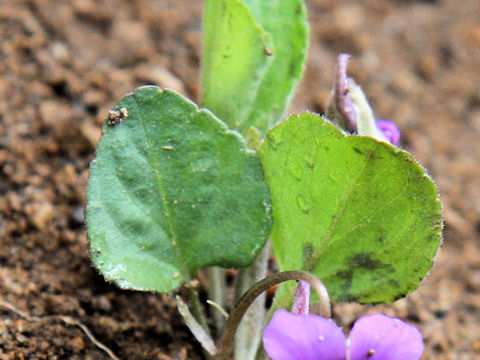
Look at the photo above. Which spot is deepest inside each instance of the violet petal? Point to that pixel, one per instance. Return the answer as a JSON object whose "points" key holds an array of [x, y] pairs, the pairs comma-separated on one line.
{"points": [[390, 130], [303, 337], [380, 337]]}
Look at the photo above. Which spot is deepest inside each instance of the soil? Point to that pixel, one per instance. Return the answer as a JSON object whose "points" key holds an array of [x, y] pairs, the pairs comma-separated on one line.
{"points": [[64, 64]]}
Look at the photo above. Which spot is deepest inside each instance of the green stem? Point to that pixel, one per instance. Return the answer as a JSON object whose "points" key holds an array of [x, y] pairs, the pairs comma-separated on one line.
{"points": [[216, 277], [197, 330], [226, 341], [197, 309], [262, 355], [249, 332], [199, 315]]}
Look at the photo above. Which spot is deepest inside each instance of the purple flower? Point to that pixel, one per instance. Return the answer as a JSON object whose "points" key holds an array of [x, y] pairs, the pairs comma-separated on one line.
{"points": [[291, 336], [390, 130]]}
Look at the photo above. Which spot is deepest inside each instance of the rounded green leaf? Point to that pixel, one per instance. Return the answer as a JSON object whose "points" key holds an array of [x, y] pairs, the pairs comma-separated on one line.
{"points": [[360, 214], [172, 190]]}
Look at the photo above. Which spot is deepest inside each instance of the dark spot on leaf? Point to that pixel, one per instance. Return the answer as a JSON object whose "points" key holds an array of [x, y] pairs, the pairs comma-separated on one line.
{"points": [[433, 238], [393, 283], [381, 240], [307, 253], [347, 277], [349, 298], [357, 150], [375, 156], [365, 261]]}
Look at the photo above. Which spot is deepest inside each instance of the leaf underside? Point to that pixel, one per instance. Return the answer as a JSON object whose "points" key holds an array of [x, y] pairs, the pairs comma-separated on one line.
{"points": [[360, 214], [172, 190]]}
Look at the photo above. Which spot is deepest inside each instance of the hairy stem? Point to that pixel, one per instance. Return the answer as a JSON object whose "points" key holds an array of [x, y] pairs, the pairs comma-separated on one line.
{"points": [[249, 331]]}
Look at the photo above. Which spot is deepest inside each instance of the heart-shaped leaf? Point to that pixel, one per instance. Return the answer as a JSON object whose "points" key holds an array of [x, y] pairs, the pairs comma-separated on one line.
{"points": [[172, 190], [360, 214]]}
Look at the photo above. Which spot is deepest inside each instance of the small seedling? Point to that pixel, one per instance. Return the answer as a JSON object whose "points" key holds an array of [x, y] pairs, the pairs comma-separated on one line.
{"points": [[176, 188]]}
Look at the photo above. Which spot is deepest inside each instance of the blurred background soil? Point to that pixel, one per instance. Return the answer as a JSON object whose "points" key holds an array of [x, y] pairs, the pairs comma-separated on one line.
{"points": [[64, 64]]}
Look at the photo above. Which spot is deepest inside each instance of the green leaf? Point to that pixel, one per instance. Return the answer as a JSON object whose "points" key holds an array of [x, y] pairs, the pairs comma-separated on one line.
{"points": [[234, 60], [286, 22], [172, 190], [360, 214], [253, 55]]}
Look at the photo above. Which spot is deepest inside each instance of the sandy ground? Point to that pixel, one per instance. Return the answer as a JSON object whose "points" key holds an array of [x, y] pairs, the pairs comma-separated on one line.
{"points": [[64, 64]]}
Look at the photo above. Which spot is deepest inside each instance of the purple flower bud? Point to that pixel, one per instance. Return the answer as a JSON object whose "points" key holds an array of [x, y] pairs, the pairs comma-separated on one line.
{"points": [[390, 130], [291, 336], [342, 105], [342, 101]]}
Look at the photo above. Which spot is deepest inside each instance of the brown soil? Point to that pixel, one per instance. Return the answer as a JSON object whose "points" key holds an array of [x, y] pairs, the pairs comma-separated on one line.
{"points": [[64, 64]]}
